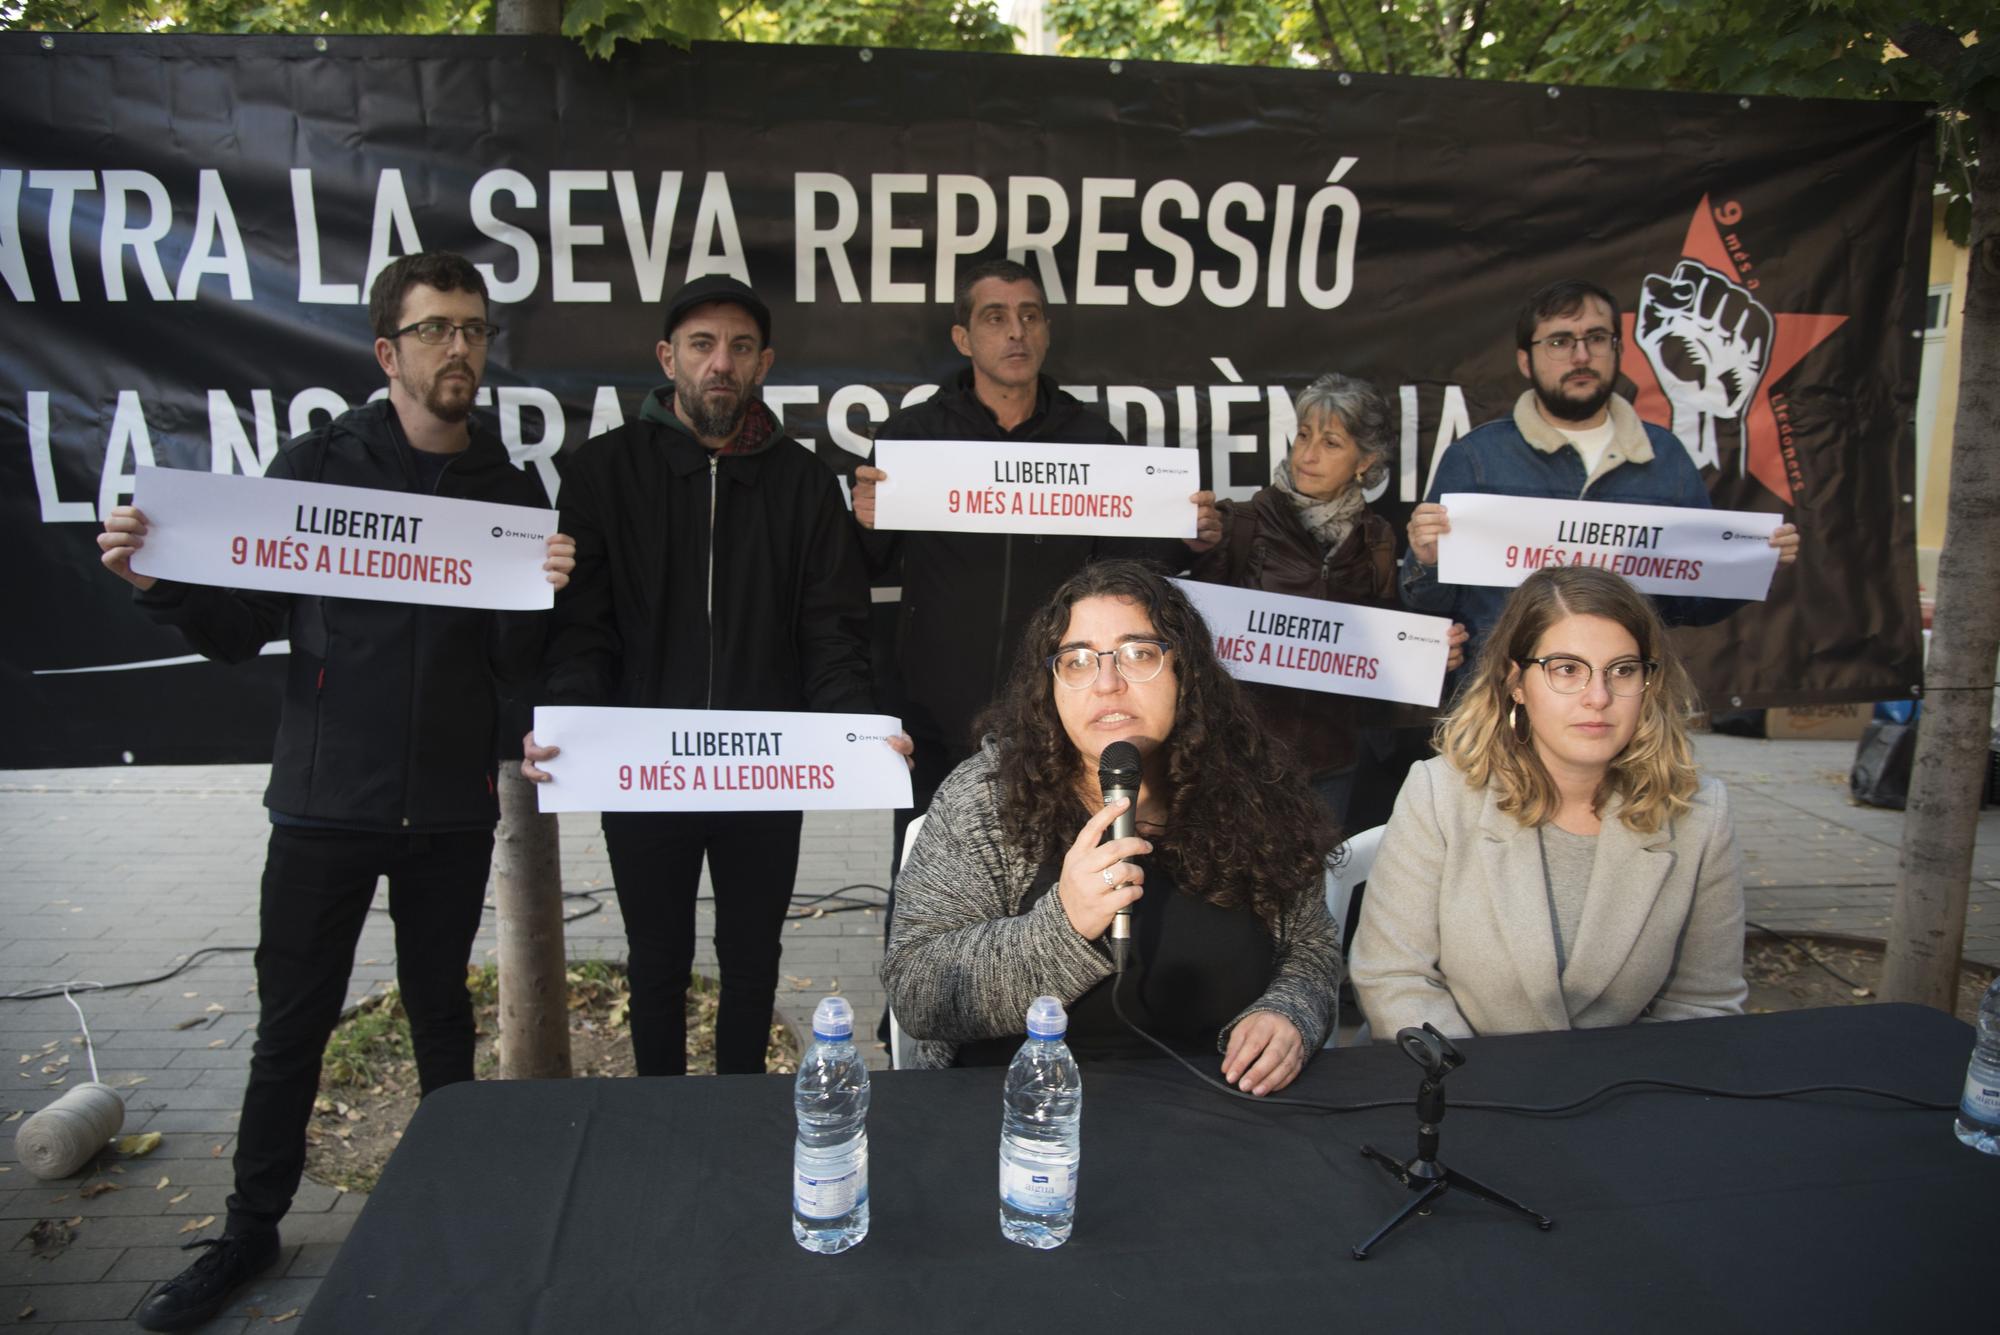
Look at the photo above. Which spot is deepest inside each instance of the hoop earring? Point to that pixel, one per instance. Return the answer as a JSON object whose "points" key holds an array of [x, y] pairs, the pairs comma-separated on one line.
{"points": [[1517, 723]]}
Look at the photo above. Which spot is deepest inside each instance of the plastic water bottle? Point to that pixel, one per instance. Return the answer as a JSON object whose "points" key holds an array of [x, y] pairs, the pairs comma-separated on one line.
{"points": [[1979, 1107], [830, 1160], [1039, 1140]]}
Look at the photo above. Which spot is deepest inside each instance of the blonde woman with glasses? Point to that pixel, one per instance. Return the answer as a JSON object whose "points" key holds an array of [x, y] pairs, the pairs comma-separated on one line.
{"points": [[1560, 864]]}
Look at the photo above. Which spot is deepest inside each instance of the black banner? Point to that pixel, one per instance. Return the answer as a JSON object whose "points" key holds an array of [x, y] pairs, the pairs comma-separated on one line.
{"points": [[188, 227]]}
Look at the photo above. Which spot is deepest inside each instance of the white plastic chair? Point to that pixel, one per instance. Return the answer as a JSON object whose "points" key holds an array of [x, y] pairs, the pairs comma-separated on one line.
{"points": [[903, 1048], [1352, 864], [1353, 861]]}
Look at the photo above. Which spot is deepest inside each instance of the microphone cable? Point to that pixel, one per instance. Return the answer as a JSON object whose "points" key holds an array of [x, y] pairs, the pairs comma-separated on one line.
{"points": [[1522, 1109]]}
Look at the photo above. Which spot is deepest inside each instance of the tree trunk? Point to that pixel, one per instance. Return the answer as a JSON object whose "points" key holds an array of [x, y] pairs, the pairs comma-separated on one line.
{"points": [[527, 849], [528, 17], [1927, 929], [534, 986]]}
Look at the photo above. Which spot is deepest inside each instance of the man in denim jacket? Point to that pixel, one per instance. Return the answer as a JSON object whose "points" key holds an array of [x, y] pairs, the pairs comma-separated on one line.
{"points": [[1570, 437]]}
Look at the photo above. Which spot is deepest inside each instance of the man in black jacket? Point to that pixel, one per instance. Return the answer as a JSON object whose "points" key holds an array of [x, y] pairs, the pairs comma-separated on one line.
{"points": [[966, 596], [716, 569], [391, 728]]}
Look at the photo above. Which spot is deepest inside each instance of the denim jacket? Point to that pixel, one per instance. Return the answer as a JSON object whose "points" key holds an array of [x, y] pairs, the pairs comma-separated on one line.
{"points": [[1524, 456]]}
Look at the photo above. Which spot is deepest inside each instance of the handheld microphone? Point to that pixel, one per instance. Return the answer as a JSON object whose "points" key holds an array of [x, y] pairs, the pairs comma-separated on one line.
{"points": [[1118, 776]]}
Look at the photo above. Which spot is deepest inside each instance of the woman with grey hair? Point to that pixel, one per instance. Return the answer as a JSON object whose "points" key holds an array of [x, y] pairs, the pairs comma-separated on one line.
{"points": [[1311, 534]]}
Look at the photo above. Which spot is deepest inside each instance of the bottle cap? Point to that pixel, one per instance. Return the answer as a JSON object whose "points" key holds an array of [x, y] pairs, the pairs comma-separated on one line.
{"points": [[1047, 1018], [833, 1019]]}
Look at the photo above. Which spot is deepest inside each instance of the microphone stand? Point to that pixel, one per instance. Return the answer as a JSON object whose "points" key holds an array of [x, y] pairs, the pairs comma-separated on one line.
{"points": [[1424, 1174]]}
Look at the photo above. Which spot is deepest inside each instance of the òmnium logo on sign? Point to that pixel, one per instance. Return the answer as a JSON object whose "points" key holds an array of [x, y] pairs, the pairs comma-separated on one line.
{"points": [[500, 532]]}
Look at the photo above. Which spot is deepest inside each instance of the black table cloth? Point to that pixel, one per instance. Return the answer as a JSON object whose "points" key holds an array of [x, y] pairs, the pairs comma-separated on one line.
{"points": [[663, 1205]]}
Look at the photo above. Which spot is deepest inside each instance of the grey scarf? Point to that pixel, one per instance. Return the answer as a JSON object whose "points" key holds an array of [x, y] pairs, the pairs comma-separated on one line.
{"points": [[1328, 521]]}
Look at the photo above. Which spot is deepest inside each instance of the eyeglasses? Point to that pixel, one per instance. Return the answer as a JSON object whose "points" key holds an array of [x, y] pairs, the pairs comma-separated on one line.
{"points": [[1557, 347], [1136, 660], [477, 333], [1572, 676]]}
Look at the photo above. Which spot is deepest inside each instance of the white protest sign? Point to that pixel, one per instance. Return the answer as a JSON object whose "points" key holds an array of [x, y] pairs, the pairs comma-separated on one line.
{"points": [[718, 760], [341, 542], [1670, 549], [1339, 648], [958, 486]]}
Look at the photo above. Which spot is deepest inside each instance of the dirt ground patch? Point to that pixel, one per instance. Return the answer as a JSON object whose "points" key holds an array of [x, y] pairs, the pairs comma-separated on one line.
{"points": [[368, 1082], [1800, 972]]}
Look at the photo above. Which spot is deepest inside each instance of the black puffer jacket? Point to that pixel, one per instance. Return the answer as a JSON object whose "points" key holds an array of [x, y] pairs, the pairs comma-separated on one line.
{"points": [[765, 607], [395, 714], [967, 596]]}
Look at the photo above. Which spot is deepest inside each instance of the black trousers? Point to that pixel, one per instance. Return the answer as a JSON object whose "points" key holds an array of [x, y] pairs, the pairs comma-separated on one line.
{"points": [[753, 859], [317, 888]]}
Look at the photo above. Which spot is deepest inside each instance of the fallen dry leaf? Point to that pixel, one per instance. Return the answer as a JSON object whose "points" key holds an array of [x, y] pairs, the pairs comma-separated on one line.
{"points": [[97, 1189], [163, 1184], [139, 1146], [15, 1116], [213, 1006], [220, 1043], [190, 1022], [25, 1313], [136, 1080], [73, 1221], [176, 1200], [190, 996], [215, 1152], [197, 1225], [284, 1316]]}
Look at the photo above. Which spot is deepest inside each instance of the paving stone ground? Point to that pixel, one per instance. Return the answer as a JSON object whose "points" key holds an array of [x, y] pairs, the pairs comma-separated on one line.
{"points": [[120, 874]]}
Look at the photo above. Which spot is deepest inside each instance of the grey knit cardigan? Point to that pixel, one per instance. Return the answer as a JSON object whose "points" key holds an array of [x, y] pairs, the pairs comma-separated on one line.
{"points": [[964, 965]]}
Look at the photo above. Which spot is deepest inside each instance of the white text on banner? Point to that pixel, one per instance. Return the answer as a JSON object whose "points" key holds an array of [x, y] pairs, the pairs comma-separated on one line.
{"points": [[341, 542], [959, 486], [719, 760], [1670, 549], [1340, 648]]}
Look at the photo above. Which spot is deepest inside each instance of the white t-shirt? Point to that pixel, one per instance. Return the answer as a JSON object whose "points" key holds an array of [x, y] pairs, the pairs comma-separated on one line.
{"points": [[1590, 444]]}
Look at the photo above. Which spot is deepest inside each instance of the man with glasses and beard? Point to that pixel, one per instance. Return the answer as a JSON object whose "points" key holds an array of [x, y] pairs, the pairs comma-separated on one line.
{"points": [[393, 721], [1570, 437], [716, 569]]}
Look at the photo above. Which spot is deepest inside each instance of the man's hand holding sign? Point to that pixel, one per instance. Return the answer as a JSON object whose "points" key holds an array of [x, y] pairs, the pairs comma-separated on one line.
{"points": [[976, 487], [1501, 540], [603, 759], [351, 542]]}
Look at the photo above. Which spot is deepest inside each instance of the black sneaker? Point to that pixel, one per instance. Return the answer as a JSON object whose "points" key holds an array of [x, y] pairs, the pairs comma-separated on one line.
{"points": [[204, 1288]]}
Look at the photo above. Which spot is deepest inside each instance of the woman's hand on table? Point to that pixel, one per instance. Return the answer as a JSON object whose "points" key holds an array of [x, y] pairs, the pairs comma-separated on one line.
{"points": [[1266, 1053], [1097, 880]]}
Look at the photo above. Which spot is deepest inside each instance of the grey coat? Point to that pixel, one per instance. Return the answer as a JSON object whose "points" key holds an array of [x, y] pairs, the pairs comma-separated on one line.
{"points": [[1455, 928], [963, 965]]}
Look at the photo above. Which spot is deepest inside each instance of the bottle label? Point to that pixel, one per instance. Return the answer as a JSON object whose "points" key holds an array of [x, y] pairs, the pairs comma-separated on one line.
{"points": [[832, 1189], [1045, 1189], [1981, 1100]]}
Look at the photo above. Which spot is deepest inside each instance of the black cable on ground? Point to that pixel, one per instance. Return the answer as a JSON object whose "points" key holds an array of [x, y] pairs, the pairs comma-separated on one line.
{"points": [[57, 989], [810, 905]]}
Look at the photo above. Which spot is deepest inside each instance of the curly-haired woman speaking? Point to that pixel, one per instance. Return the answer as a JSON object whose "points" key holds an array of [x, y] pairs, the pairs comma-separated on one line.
{"points": [[1009, 892], [1561, 864]]}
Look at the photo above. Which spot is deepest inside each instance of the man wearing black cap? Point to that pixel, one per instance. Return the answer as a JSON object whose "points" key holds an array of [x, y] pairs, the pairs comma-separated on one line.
{"points": [[716, 568]]}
